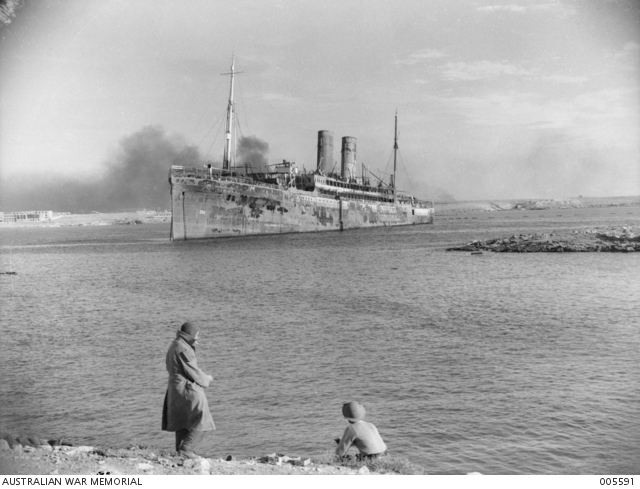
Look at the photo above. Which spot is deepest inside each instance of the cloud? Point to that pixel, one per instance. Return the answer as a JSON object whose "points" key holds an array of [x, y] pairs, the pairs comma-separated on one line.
{"points": [[421, 56], [525, 144], [562, 163], [555, 8], [603, 115], [565, 79], [480, 70], [279, 97], [629, 51], [504, 8], [497, 109]]}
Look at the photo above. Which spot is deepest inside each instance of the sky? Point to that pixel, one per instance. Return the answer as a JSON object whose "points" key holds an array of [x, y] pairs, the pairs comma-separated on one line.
{"points": [[512, 99]]}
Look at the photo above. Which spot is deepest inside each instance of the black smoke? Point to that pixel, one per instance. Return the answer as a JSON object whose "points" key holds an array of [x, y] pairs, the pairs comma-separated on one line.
{"points": [[8, 10], [439, 195], [252, 154], [135, 178]]}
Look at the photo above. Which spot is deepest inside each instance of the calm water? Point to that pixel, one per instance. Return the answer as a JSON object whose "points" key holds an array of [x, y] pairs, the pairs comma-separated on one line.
{"points": [[496, 363]]}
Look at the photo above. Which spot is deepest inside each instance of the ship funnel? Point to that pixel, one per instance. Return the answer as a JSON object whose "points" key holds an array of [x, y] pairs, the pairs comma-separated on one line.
{"points": [[348, 157], [325, 151]]}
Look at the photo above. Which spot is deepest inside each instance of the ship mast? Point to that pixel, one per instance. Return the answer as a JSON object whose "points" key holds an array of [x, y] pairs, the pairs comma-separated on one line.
{"points": [[395, 150], [230, 109]]}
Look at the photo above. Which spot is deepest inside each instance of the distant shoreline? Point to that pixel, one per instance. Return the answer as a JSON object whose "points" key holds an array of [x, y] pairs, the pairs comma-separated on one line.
{"points": [[95, 219], [441, 208], [535, 204]]}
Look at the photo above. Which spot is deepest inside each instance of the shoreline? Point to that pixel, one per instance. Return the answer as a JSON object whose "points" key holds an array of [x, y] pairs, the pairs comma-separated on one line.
{"points": [[441, 208], [33, 456], [447, 208]]}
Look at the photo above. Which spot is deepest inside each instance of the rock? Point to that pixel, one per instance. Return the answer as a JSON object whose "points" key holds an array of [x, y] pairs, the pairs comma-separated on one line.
{"points": [[77, 450], [273, 458], [363, 470], [189, 463], [301, 463], [145, 466], [24, 441], [11, 441], [230, 458], [201, 465], [4, 445], [205, 466], [35, 441], [17, 446]]}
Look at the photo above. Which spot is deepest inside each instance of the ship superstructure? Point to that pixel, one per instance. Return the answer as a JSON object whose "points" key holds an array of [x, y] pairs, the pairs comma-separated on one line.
{"points": [[211, 202]]}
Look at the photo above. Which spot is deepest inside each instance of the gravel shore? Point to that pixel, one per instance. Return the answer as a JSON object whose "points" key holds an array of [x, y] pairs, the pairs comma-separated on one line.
{"points": [[22, 456]]}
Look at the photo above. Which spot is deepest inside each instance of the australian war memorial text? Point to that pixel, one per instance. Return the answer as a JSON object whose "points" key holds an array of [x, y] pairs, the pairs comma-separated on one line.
{"points": [[71, 481]]}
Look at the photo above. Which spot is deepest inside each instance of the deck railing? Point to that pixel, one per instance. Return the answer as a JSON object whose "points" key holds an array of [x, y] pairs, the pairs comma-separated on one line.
{"points": [[218, 174]]}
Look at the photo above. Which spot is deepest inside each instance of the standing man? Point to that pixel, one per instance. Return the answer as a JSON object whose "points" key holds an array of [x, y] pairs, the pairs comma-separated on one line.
{"points": [[186, 410]]}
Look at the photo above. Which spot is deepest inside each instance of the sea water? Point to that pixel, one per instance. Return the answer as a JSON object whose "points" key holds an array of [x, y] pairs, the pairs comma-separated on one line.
{"points": [[493, 363]]}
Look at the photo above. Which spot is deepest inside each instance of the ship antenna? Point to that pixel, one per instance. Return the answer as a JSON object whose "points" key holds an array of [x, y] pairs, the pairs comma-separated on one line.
{"points": [[395, 150], [230, 110]]}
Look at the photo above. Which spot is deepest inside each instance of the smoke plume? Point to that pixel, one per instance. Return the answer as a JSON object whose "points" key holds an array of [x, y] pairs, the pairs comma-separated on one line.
{"points": [[252, 153], [8, 10], [135, 178]]}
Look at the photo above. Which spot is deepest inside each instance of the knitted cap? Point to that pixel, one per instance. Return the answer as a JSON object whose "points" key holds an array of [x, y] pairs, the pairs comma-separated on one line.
{"points": [[353, 411], [190, 329]]}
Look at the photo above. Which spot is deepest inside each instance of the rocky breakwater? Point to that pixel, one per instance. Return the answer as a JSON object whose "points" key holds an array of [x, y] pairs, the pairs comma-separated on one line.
{"points": [[622, 240]]}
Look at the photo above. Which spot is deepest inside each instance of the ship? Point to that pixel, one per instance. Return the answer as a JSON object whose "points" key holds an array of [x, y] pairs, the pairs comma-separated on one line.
{"points": [[208, 202]]}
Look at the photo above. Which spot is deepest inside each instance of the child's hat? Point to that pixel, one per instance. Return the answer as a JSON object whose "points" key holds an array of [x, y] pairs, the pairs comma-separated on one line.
{"points": [[353, 411]]}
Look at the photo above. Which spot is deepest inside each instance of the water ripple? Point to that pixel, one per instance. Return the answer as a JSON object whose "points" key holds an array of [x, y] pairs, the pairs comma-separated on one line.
{"points": [[498, 364]]}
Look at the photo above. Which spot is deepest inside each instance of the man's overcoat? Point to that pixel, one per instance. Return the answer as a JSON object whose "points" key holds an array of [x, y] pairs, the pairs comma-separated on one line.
{"points": [[185, 404]]}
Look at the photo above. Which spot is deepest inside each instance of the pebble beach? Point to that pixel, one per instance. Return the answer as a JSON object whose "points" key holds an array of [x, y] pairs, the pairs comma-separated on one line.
{"points": [[33, 456]]}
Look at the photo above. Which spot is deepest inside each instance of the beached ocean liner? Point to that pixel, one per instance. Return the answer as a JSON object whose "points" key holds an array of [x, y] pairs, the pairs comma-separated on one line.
{"points": [[234, 201]]}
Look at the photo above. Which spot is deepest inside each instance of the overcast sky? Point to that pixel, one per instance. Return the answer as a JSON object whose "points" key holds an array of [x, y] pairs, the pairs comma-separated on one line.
{"points": [[495, 100]]}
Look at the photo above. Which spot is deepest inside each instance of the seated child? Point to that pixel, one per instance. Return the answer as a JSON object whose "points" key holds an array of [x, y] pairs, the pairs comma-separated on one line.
{"points": [[362, 434]]}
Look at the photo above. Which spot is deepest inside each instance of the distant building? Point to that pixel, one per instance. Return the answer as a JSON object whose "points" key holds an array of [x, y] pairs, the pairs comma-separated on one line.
{"points": [[25, 216]]}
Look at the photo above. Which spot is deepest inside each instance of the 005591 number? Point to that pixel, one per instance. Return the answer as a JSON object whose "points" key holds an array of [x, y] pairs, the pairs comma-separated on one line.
{"points": [[616, 481]]}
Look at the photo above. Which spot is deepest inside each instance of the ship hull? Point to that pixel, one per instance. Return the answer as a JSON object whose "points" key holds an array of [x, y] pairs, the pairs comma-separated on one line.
{"points": [[215, 208]]}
